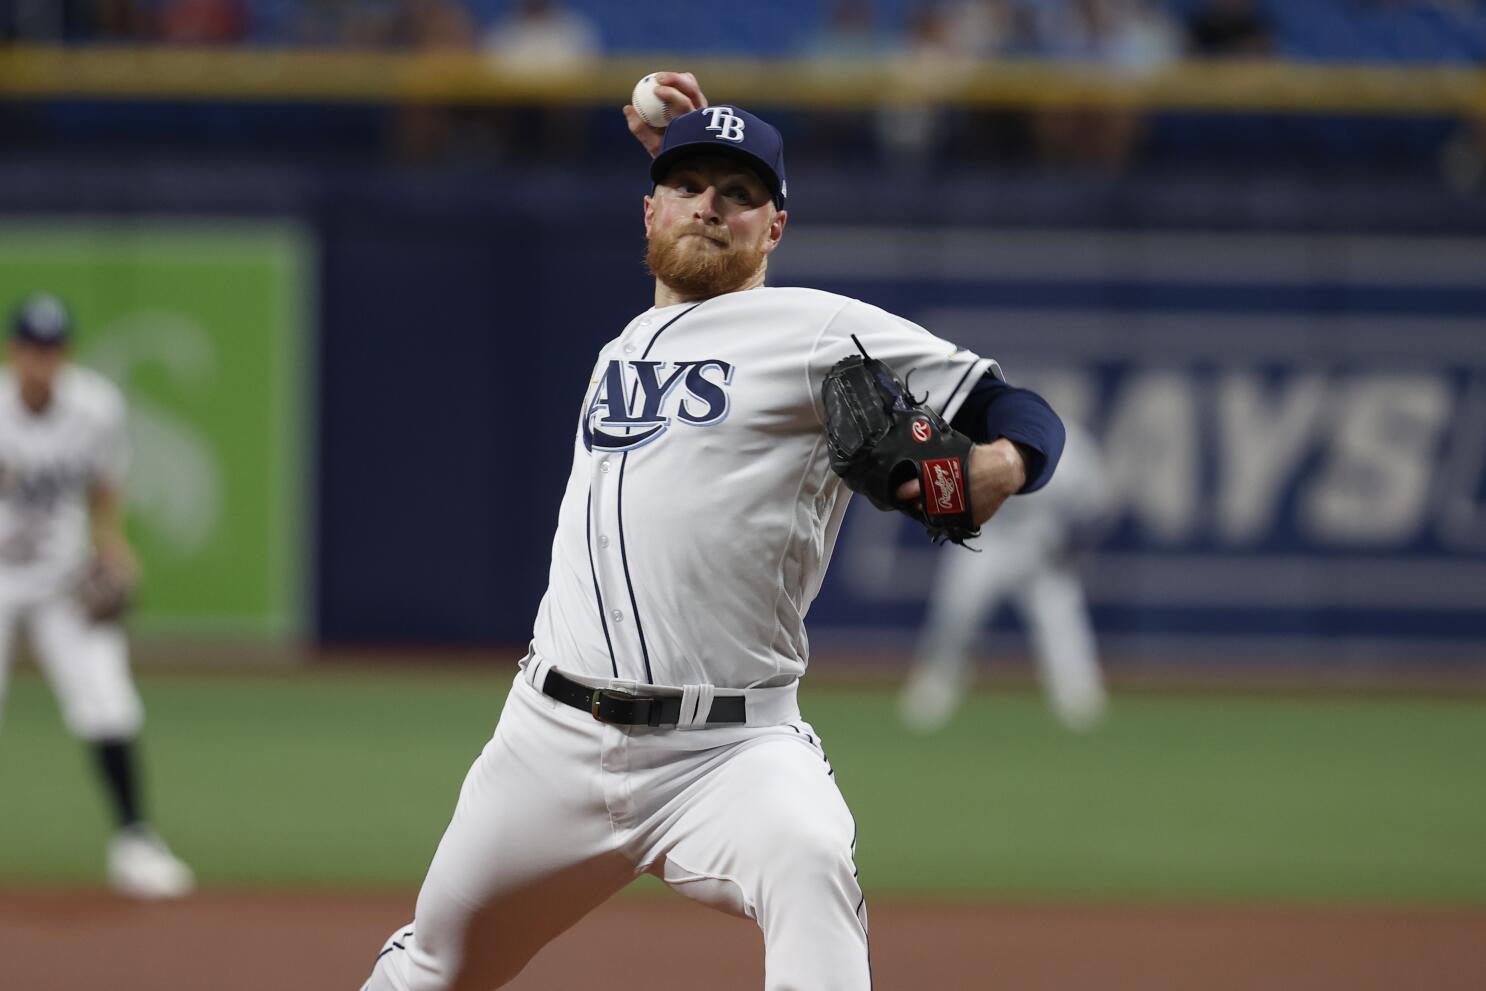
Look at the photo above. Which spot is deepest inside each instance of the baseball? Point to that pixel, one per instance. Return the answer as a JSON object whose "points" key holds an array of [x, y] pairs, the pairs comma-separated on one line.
{"points": [[651, 108]]}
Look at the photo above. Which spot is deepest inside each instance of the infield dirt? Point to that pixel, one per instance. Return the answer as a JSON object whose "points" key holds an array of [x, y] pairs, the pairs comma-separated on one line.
{"points": [[69, 941]]}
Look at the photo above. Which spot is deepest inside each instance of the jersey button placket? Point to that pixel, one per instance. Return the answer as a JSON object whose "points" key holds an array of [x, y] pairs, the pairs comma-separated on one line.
{"points": [[609, 567]]}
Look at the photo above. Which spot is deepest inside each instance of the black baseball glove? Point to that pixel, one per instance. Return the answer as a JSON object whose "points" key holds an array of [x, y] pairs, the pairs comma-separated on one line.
{"points": [[880, 436], [105, 592]]}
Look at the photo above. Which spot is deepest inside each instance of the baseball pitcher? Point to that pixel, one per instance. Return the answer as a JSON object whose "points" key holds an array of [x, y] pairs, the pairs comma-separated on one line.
{"points": [[654, 726]]}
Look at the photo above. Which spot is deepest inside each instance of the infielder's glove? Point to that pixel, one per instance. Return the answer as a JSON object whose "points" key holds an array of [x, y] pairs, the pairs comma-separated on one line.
{"points": [[105, 592], [880, 436]]}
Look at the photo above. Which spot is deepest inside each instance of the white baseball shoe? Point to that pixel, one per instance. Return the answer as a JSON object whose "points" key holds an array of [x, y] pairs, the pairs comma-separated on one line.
{"points": [[1079, 707], [930, 697], [140, 865]]}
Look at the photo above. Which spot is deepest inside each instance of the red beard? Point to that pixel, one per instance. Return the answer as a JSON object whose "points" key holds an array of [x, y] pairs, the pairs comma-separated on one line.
{"points": [[696, 271]]}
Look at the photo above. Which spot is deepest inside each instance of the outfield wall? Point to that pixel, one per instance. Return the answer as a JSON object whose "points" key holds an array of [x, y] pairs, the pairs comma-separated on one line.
{"points": [[1293, 424], [1289, 376]]}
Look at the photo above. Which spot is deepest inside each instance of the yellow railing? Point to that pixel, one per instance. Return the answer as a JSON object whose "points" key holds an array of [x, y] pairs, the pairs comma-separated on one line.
{"points": [[290, 75]]}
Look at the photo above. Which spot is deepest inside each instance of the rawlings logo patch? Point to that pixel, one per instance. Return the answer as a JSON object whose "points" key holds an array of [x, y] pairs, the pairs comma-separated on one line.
{"points": [[921, 431], [944, 486]]}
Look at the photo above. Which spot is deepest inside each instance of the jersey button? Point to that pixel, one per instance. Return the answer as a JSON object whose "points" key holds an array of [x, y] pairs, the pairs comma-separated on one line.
{"points": [[629, 349], [616, 615], [604, 541], [644, 321], [604, 466]]}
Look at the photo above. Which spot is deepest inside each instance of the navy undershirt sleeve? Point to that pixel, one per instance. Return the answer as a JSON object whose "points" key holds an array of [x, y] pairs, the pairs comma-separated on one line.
{"points": [[994, 409]]}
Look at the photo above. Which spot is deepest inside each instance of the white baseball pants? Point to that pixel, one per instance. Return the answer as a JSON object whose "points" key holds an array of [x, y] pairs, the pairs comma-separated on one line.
{"points": [[561, 811], [86, 663]]}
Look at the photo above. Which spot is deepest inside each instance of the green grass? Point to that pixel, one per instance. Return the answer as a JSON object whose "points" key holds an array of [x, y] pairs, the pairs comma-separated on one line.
{"points": [[1195, 797], [346, 779]]}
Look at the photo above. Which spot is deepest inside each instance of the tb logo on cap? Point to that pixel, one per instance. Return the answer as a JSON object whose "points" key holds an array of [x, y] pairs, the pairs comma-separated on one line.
{"points": [[728, 125]]}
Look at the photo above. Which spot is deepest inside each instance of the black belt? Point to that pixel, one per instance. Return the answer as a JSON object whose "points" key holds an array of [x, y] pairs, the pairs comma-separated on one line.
{"points": [[624, 709]]}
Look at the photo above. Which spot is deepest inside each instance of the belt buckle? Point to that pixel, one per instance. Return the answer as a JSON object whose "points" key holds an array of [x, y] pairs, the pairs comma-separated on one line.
{"points": [[595, 704], [597, 700]]}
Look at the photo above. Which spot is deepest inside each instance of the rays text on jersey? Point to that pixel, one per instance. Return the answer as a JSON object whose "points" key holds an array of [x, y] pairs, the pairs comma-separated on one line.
{"points": [[635, 402]]}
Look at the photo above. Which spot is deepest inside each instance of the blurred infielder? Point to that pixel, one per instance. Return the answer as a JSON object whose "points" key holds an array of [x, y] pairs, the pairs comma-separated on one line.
{"points": [[66, 568], [1027, 560], [653, 726]]}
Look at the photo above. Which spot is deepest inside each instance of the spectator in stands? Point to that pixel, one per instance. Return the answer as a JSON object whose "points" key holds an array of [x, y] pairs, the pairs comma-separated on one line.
{"points": [[847, 35], [848, 41], [423, 132], [333, 23], [201, 22], [989, 29], [51, 21], [1127, 37], [428, 25], [540, 36], [543, 35], [1230, 27], [930, 67]]}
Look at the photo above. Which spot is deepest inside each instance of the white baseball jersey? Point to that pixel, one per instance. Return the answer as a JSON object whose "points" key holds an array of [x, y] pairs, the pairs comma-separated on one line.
{"points": [[701, 510], [49, 462]]}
